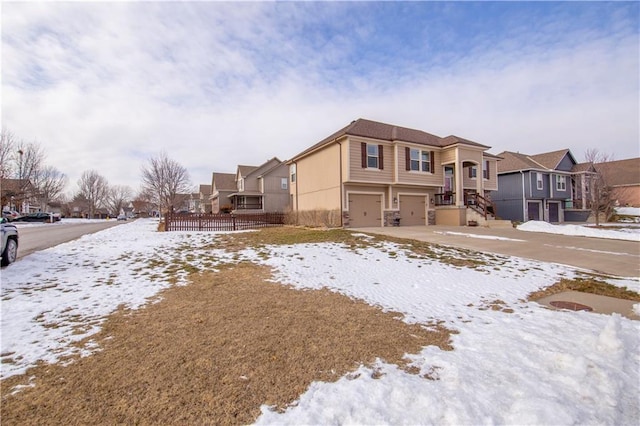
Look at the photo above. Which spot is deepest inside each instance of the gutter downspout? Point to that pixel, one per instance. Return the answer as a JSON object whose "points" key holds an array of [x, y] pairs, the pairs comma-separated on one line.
{"points": [[524, 199], [297, 210], [341, 195]]}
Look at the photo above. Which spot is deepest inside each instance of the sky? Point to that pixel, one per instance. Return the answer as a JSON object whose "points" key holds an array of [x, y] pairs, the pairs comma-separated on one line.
{"points": [[519, 364], [106, 86]]}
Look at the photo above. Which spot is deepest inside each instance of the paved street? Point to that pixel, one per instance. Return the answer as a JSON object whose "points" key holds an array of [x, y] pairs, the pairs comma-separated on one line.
{"points": [[615, 257], [34, 238]]}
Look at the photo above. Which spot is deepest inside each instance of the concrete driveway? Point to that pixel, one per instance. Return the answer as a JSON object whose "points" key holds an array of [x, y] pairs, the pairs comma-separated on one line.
{"points": [[613, 257]]}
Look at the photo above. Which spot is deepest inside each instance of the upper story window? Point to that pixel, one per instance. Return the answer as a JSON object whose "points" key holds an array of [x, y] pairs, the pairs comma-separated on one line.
{"points": [[292, 171], [418, 160], [284, 183], [372, 156], [539, 183], [485, 170], [561, 183], [473, 172], [241, 185]]}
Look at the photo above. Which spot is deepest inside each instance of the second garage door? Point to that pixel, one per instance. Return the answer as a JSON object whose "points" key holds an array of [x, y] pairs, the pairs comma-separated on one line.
{"points": [[365, 210], [413, 210]]}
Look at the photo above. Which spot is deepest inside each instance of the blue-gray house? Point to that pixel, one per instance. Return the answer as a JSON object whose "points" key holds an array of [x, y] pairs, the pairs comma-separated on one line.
{"points": [[539, 187]]}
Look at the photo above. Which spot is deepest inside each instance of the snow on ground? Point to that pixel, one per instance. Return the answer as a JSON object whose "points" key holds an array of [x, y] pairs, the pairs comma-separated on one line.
{"points": [[628, 211], [530, 366], [629, 234], [482, 237]]}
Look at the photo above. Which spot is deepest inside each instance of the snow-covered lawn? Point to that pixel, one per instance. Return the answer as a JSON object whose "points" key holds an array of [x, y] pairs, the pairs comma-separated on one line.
{"points": [[528, 366]]}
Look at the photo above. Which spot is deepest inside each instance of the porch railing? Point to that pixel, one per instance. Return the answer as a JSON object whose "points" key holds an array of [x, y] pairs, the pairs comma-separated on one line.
{"points": [[221, 222], [472, 200]]}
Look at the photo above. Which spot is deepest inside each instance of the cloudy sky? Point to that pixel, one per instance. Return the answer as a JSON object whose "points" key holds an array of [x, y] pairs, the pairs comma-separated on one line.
{"points": [[107, 85]]}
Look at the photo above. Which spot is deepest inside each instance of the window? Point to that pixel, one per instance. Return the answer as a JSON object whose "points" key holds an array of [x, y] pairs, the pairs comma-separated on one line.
{"points": [[372, 156], [539, 183], [418, 160], [473, 172], [561, 183], [485, 170], [241, 185], [292, 171], [284, 183]]}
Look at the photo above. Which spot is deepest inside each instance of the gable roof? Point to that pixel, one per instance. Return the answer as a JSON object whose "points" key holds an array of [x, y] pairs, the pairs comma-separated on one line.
{"points": [[515, 161], [224, 181], [582, 167], [245, 170], [621, 172], [388, 132], [265, 167], [551, 160]]}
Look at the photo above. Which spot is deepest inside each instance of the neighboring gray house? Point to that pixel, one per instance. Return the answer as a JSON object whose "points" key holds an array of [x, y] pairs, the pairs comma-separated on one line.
{"points": [[261, 189], [222, 185], [538, 187]]}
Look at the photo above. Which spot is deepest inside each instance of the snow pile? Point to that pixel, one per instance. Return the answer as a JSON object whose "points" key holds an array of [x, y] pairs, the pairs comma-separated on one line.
{"points": [[581, 231], [628, 211]]}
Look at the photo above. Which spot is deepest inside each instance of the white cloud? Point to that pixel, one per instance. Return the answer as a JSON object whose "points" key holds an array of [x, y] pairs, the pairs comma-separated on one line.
{"points": [[106, 85]]}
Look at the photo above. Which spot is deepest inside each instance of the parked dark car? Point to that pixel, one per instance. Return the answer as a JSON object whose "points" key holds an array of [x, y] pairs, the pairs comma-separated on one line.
{"points": [[39, 217], [9, 249]]}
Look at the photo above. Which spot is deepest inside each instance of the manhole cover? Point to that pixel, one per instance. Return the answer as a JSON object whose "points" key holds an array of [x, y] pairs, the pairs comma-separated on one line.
{"points": [[572, 306]]}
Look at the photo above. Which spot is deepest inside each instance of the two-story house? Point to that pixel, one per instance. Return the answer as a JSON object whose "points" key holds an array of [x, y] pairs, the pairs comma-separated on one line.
{"points": [[264, 188], [222, 186], [541, 187], [375, 174]]}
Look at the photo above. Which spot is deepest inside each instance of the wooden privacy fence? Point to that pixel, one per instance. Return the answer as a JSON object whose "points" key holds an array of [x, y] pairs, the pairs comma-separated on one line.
{"points": [[221, 222]]}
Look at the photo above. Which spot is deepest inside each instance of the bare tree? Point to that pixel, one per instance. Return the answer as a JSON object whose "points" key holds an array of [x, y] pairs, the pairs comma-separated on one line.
{"points": [[94, 188], [163, 179], [7, 144], [50, 184], [119, 197], [602, 201], [29, 157]]}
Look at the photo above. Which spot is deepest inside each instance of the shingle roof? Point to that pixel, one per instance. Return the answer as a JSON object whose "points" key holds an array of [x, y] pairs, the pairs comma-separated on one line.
{"points": [[551, 160], [515, 161], [224, 181], [389, 132], [582, 167], [245, 170], [621, 172], [205, 189]]}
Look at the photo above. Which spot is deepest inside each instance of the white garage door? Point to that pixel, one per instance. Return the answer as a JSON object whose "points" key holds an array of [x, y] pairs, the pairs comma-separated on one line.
{"points": [[413, 210], [365, 210]]}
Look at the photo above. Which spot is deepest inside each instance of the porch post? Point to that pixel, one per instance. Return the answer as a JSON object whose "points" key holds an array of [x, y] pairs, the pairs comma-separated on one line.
{"points": [[458, 179]]}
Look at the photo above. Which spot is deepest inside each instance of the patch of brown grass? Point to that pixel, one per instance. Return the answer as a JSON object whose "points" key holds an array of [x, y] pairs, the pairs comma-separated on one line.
{"points": [[586, 285], [214, 351]]}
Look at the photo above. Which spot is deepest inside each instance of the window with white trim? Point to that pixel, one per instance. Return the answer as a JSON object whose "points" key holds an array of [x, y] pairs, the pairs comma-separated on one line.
{"points": [[420, 160], [284, 183], [473, 172], [292, 172], [485, 169], [561, 183], [539, 183]]}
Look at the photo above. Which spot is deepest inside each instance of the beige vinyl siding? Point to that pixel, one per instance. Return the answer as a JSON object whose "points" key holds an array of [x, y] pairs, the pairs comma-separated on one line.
{"points": [[318, 180], [433, 178], [448, 156], [492, 183], [360, 174]]}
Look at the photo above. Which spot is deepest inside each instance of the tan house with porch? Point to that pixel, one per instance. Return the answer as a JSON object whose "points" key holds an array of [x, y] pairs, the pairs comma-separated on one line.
{"points": [[264, 188], [375, 174]]}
